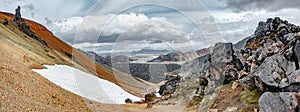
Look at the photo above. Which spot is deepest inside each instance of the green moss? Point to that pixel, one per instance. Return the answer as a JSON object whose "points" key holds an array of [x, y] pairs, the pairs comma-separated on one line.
{"points": [[251, 97]]}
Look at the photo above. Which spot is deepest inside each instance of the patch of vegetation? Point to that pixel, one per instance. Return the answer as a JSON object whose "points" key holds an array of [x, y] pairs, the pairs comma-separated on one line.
{"points": [[251, 97]]}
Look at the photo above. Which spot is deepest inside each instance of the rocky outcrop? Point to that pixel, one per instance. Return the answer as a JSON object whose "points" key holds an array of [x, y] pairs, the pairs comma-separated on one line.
{"points": [[272, 57], [21, 24], [18, 13], [279, 102], [267, 62], [170, 86]]}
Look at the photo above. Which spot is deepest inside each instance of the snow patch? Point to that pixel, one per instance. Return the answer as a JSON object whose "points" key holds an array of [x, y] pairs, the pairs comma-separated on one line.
{"points": [[86, 85]]}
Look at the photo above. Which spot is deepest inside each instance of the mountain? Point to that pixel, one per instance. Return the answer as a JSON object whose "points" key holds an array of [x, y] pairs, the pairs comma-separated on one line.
{"points": [[151, 72], [149, 51], [39, 72], [27, 45], [179, 56]]}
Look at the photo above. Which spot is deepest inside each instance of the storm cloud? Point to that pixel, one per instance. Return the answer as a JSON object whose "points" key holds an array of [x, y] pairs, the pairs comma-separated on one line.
{"points": [[254, 5]]}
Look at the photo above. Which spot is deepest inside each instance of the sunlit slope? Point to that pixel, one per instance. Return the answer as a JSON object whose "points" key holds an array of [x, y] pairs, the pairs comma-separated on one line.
{"points": [[79, 58]]}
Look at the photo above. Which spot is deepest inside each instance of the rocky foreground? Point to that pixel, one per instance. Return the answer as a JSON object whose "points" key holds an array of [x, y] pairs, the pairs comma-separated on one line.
{"points": [[265, 71]]}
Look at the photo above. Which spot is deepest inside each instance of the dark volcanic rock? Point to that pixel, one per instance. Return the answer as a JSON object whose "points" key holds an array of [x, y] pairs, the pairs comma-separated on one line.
{"points": [[278, 102], [170, 86], [22, 26], [18, 13]]}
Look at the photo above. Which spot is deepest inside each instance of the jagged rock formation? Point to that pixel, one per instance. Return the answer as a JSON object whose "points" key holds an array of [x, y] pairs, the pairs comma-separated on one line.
{"points": [[18, 13], [271, 52], [271, 60], [268, 62], [20, 23], [221, 65]]}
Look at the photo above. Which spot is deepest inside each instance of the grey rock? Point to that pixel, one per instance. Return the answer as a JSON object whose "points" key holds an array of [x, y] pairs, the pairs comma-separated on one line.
{"points": [[194, 67], [292, 82], [272, 75], [278, 102]]}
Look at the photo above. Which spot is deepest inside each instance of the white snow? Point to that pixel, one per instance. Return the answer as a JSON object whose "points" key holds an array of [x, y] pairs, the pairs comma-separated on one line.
{"points": [[86, 85], [156, 92]]}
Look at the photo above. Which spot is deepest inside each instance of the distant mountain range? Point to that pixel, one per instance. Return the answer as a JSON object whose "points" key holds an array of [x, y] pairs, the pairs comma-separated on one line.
{"points": [[149, 51]]}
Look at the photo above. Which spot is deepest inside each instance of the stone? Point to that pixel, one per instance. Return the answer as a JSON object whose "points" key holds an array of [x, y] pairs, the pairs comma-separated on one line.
{"points": [[235, 84], [149, 97], [231, 74], [248, 82], [5, 22], [231, 109], [253, 67], [272, 71], [128, 100], [278, 102]]}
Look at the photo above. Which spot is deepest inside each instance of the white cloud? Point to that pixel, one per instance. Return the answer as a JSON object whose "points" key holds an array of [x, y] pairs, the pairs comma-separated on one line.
{"points": [[53, 9], [89, 28]]}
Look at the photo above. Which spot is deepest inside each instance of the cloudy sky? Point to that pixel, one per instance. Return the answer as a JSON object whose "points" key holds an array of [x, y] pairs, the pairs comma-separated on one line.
{"points": [[128, 25]]}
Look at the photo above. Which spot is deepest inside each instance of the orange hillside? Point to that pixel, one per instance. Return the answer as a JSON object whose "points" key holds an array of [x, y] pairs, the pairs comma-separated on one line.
{"points": [[65, 49]]}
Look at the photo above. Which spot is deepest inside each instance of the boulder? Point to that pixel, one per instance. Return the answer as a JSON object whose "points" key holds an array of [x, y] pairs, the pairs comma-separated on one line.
{"points": [[150, 97], [128, 100], [278, 102], [273, 73], [5, 22]]}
